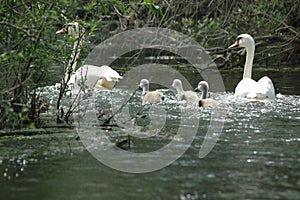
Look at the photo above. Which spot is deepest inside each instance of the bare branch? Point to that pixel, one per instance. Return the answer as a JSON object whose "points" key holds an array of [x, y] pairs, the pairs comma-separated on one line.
{"points": [[24, 30], [292, 29]]}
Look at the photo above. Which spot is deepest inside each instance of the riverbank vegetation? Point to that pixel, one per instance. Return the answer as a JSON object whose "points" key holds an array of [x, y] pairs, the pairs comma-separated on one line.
{"points": [[30, 50]]}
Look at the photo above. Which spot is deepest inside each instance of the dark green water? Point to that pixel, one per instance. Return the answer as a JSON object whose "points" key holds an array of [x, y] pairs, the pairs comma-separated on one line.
{"points": [[256, 157]]}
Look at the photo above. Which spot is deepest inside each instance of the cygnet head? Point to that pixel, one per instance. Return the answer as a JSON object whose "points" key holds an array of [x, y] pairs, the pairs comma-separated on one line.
{"points": [[177, 84], [144, 83], [243, 40], [203, 86]]}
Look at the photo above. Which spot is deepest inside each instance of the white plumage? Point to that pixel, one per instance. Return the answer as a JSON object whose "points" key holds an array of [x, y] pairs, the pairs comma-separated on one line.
{"points": [[247, 87], [91, 76], [103, 77]]}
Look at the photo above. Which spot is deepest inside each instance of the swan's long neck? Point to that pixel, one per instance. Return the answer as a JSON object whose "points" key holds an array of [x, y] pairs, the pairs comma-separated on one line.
{"points": [[249, 61], [145, 89], [203, 94], [74, 56], [179, 89]]}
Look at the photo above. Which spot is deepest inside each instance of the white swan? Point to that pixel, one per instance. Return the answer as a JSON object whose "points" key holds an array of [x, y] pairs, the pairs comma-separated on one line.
{"points": [[103, 78], [247, 87], [188, 96], [92, 76], [150, 96], [204, 101]]}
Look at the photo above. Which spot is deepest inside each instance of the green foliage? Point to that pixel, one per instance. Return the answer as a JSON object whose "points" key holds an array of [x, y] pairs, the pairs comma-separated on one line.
{"points": [[25, 53], [154, 8], [28, 49]]}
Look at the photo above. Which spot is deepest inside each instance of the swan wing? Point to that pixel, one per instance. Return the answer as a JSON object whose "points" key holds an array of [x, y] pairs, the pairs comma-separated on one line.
{"points": [[188, 96], [86, 74], [90, 74], [246, 88], [207, 103], [266, 88], [250, 89], [152, 97], [109, 73]]}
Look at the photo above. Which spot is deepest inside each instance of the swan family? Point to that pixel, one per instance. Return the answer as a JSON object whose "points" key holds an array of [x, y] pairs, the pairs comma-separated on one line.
{"points": [[105, 78]]}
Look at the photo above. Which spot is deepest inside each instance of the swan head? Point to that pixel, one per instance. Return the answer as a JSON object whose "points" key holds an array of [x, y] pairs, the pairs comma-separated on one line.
{"points": [[72, 29], [144, 83], [243, 40], [202, 86]]}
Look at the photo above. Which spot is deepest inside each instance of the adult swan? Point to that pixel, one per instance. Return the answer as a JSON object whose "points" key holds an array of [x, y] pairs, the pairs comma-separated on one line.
{"points": [[247, 87], [103, 78]]}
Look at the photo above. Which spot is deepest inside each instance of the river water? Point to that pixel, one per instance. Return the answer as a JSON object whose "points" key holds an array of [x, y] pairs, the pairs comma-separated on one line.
{"points": [[257, 155]]}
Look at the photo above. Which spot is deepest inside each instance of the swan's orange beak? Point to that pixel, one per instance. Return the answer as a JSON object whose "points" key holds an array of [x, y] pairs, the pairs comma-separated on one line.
{"points": [[61, 31], [235, 44]]}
